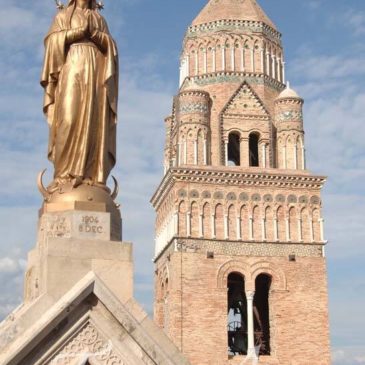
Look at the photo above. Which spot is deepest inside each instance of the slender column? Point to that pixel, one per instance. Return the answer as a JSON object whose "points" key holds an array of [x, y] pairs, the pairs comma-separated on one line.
{"points": [[185, 152], [295, 157], [212, 221], [279, 69], [283, 71], [276, 233], [225, 226], [311, 229], [284, 158], [268, 63], [253, 59], [273, 67], [223, 58], [195, 152], [321, 225], [263, 229], [188, 65], [262, 61], [176, 223], [226, 152], [303, 157], [244, 152], [205, 152], [233, 61], [201, 228], [251, 352], [178, 154], [243, 59], [205, 60], [188, 224], [251, 228], [264, 155], [196, 63], [238, 228], [300, 232], [287, 229], [214, 60], [181, 74]]}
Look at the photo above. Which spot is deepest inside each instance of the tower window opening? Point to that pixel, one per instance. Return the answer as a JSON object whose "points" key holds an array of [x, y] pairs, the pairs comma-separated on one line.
{"points": [[262, 314], [237, 315], [254, 149], [234, 158]]}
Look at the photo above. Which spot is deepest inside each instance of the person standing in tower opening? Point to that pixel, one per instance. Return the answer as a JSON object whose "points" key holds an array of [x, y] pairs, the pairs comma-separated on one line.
{"points": [[80, 81]]}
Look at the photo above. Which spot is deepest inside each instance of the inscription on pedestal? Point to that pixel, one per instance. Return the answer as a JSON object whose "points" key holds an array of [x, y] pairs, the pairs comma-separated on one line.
{"points": [[76, 224]]}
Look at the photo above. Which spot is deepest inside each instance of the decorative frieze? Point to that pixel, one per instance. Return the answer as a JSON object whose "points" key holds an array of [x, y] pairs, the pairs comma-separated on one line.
{"points": [[240, 26], [288, 116], [233, 77], [193, 108]]}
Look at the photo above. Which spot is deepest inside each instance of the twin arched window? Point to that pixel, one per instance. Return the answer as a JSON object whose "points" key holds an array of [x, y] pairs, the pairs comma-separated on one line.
{"points": [[237, 329], [234, 150]]}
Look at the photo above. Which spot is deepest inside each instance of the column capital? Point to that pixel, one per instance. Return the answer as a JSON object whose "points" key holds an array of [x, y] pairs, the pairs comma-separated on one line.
{"points": [[250, 294]]}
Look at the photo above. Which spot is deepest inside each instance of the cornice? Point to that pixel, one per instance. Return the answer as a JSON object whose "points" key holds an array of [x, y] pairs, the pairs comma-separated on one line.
{"points": [[226, 176], [232, 77]]}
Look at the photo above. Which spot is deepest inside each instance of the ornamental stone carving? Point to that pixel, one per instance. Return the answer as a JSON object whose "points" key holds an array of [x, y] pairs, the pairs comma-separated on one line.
{"points": [[86, 345]]}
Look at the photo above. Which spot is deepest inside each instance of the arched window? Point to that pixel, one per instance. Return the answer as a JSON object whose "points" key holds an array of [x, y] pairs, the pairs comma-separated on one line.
{"points": [[234, 157], [262, 314], [237, 315], [254, 149]]}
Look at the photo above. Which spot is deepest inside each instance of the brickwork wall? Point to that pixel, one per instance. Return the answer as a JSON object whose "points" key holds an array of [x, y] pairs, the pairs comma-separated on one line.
{"points": [[197, 306]]}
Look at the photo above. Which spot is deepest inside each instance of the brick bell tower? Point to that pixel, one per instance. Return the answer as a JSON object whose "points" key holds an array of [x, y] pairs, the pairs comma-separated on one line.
{"points": [[240, 269]]}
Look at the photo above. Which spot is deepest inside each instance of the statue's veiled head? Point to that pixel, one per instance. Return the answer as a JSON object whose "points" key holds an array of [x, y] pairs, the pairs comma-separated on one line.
{"points": [[93, 4]]}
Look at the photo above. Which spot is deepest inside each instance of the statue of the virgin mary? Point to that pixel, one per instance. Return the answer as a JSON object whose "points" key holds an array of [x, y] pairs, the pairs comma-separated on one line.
{"points": [[80, 80]]}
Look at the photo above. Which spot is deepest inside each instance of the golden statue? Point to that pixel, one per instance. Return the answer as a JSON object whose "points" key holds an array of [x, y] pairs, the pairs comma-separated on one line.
{"points": [[80, 81]]}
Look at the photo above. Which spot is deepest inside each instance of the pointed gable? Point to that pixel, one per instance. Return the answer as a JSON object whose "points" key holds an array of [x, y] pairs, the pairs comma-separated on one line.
{"points": [[246, 103]]}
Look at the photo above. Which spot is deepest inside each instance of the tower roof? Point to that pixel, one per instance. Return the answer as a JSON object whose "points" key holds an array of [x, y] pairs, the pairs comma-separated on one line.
{"points": [[232, 10], [288, 93]]}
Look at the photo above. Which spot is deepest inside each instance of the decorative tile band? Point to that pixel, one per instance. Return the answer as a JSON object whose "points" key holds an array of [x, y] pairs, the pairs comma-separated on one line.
{"points": [[193, 108]]}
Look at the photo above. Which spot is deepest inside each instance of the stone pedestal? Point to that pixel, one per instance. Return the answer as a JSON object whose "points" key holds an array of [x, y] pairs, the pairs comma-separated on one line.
{"points": [[72, 243]]}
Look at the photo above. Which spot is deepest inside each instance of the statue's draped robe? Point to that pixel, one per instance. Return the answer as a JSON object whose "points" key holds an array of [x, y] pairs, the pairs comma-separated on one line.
{"points": [[80, 102]]}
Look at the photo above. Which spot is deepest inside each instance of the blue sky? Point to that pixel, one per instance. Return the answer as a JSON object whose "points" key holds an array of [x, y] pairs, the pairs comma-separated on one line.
{"points": [[325, 56]]}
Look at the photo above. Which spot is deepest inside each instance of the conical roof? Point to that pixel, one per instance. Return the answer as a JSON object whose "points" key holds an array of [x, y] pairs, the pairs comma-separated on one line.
{"points": [[232, 10], [288, 93]]}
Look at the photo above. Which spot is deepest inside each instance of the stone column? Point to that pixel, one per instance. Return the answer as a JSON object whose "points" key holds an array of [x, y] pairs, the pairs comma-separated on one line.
{"points": [[287, 226], [176, 223], [253, 59], [273, 67], [226, 152], [321, 227], [212, 221], [225, 226], [201, 229], [223, 58], [196, 152], [263, 229], [244, 153], [205, 60], [311, 229], [300, 233], [268, 63], [197, 63], [238, 228], [233, 61], [243, 59], [251, 352], [214, 66], [276, 233], [251, 228], [284, 76], [205, 152], [188, 224]]}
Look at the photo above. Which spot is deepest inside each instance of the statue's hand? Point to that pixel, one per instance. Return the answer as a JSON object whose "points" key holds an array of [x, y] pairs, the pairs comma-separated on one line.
{"points": [[91, 28]]}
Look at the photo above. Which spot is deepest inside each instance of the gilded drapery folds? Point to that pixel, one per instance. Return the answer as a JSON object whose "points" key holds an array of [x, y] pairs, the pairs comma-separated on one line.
{"points": [[80, 81]]}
